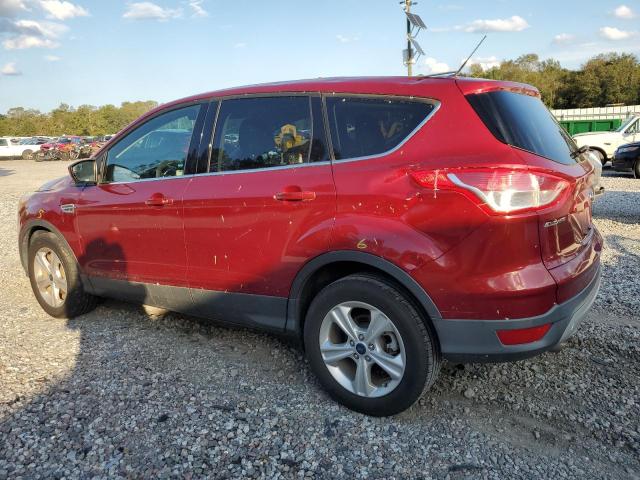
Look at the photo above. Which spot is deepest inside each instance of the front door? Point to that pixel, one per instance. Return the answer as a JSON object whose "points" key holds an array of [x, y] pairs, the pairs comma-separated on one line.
{"points": [[131, 222], [265, 208]]}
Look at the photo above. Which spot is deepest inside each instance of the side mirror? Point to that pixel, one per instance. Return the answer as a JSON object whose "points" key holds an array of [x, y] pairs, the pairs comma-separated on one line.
{"points": [[84, 172]]}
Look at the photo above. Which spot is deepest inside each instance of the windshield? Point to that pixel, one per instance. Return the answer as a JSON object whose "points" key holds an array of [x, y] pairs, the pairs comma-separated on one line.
{"points": [[524, 122], [625, 124]]}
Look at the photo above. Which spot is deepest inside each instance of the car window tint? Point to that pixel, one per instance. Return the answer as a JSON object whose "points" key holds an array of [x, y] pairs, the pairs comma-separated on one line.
{"points": [[363, 126], [524, 122], [157, 148], [3, 143], [261, 132]]}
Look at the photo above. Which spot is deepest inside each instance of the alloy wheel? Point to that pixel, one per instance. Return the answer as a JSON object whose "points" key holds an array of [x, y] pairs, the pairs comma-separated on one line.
{"points": [[362, 349], [50, 277]]}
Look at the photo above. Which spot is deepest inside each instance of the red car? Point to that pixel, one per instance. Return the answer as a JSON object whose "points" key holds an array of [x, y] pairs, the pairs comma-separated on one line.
{"points": [[386, 223]]}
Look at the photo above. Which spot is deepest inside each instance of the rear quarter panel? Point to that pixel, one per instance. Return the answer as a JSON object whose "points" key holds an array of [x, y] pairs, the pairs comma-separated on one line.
{"points": [[465, 260]]}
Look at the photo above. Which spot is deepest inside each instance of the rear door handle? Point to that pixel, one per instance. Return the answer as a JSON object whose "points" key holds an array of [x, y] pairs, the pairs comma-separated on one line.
{"points": [[158, 200], [295, 196]]}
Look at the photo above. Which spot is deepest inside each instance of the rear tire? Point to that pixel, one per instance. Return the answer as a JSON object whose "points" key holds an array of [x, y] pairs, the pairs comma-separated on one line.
{"points": [[55, 277], [636, 169], [400, 358], [27, 155]]}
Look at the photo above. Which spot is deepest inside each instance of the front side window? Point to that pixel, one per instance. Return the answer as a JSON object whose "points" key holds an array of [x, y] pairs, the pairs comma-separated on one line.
{"points": [[158, 148], [364, 126], [262, 132], [3, 143], [633, 128]]}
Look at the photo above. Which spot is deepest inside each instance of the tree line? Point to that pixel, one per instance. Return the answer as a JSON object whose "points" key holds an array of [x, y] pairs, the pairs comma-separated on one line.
{"points": [[85, 120], [603, 80]]}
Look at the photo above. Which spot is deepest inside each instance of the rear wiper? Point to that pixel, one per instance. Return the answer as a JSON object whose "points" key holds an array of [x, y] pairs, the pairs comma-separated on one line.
{"points": [[579, 151]]}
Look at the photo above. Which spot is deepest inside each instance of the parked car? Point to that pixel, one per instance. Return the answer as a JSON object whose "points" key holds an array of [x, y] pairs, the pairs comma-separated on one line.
{"points": [[627, 158], [417, 219], [9, 149], [32, 146], [604, 144]]}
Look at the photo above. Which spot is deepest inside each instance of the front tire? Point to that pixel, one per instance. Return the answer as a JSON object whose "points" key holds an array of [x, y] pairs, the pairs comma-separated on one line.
{"points": [[55, 277], [27, 155], [369, 346]]}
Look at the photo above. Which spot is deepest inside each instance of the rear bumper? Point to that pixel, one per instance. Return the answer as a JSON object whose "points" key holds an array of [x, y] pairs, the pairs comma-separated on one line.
{"points": [[477, 340]]}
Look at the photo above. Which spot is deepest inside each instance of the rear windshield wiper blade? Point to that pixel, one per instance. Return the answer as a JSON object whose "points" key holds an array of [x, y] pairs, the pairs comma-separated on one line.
{"points": [[579, 151]]}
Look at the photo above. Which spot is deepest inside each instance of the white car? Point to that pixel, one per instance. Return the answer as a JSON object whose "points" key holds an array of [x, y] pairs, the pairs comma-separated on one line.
{"points": [[8, 149], [604, 144]]}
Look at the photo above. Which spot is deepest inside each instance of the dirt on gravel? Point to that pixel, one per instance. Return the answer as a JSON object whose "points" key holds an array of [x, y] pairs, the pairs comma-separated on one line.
{"points": [[126, 393]]}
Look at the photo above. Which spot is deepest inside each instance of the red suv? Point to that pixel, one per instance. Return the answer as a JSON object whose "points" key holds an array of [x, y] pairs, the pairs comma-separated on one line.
{"points": [[386, 223]]}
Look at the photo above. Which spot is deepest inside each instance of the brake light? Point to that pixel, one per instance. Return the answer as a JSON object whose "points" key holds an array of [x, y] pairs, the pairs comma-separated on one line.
{"points": [[501, 190]]}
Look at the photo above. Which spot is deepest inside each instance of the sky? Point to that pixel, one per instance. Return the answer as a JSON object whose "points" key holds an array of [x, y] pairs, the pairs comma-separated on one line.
{"points": [[109, 51]]}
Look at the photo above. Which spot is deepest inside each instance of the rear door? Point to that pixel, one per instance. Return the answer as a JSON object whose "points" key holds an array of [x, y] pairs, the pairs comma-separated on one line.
{"points": [[265, 207], [131, 222]]}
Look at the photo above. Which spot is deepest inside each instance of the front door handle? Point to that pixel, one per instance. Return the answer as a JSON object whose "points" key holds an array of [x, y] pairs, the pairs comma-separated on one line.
{"points": [[295, 196], [158, 200]]}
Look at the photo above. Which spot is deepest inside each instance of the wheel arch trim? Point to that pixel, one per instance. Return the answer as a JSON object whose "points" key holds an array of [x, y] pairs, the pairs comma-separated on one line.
{"points": [[294, 323], [27, 230]]}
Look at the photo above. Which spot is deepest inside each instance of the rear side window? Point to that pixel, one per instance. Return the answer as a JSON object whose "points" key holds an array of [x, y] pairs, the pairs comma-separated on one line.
{"points": [[524, 122], [262, 132], [362, 126]]}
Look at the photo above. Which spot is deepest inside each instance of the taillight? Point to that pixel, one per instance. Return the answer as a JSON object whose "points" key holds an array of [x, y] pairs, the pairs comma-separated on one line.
{"points": [[501, 190]]}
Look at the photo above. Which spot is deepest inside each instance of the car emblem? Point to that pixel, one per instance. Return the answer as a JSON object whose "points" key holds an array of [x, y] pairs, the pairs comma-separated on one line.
{"points": [[553, 223]]}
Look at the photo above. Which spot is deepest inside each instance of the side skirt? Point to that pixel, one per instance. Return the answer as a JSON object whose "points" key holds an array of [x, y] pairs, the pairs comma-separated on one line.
{"points": [[256, 311]]}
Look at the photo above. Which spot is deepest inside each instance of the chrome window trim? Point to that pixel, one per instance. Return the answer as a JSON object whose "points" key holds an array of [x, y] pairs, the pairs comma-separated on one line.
{"points": [[227, 172], [266, 169], [431, 101]]}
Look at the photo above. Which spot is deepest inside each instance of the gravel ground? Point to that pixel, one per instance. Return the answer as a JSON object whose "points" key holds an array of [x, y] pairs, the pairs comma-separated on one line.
{"points": [[124, 393]]}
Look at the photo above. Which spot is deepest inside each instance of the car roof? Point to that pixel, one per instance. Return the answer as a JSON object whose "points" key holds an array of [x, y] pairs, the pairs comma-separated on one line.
{"points": [[423, 87]]}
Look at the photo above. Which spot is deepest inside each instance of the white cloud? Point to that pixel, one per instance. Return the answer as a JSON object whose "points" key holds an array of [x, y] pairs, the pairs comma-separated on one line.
{"points": [[10, 69], [197, 9], [346, 39], [485, 62], [613, 33], [62, 10], [31, 34], [432, 66], [563, 38], [624, 12], [22, 42], [52, 58], [150, 11], [512, 24], [43, 29], [10, 8]]}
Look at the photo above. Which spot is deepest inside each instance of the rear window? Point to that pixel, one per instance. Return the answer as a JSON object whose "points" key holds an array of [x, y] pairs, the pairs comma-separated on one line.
{"points": [[362, 126], [524, 122]]}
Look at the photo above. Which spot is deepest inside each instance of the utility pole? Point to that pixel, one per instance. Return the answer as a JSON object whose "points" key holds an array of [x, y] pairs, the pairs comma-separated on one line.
{"points": [[410, 59], [413, 22]]}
